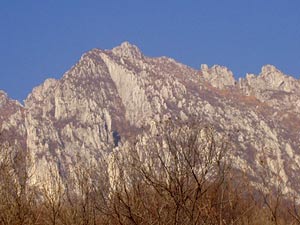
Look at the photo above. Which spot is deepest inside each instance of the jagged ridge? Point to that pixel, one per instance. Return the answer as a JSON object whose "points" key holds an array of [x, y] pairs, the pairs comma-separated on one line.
{"points": [[110, 96]]}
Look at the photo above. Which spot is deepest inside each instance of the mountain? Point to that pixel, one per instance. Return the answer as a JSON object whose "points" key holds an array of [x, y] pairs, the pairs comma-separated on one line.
{"points": [[111, 96]]}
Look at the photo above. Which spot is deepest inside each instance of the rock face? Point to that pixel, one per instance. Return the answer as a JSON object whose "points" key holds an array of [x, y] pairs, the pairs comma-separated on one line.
{"points": [[12, 121], [110, 96], [218, 76], [274, 87]]}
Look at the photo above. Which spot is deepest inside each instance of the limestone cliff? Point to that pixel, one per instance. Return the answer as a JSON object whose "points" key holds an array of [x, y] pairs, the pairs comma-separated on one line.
{"points": [[110, 96]]}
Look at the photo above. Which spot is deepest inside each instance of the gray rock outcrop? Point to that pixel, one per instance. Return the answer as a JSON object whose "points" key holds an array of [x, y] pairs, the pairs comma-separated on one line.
{"points": [[111, 96]]}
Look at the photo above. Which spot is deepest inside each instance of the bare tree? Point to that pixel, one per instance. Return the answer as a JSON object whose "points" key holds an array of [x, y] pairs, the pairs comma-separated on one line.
{"points": [[271, 190], [18, 192], [180, 174], [53, 196], [173, 177]]}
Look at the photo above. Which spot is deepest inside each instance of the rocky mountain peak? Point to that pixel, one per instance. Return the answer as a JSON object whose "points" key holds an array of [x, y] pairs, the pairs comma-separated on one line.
{"points": [[111, 96], [267, 69], [272, 74], [271, 78], [127, 50], [218, 76]]}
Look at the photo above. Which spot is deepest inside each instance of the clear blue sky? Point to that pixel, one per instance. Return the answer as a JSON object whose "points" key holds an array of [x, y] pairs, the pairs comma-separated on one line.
{"points": [[44, 38]]}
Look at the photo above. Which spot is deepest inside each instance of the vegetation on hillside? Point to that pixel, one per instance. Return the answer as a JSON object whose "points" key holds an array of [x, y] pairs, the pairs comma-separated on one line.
{"points": [[181, 176]]}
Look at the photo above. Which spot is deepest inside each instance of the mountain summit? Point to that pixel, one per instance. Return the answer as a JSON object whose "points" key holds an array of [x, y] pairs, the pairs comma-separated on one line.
{"points": [[128, 50]]}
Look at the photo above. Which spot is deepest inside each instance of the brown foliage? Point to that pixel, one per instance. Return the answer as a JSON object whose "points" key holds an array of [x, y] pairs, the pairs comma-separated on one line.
{"points": [[181, 175]]}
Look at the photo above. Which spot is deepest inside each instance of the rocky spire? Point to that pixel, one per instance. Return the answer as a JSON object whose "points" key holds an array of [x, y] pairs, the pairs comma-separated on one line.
{"points": [[218, 76]]}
